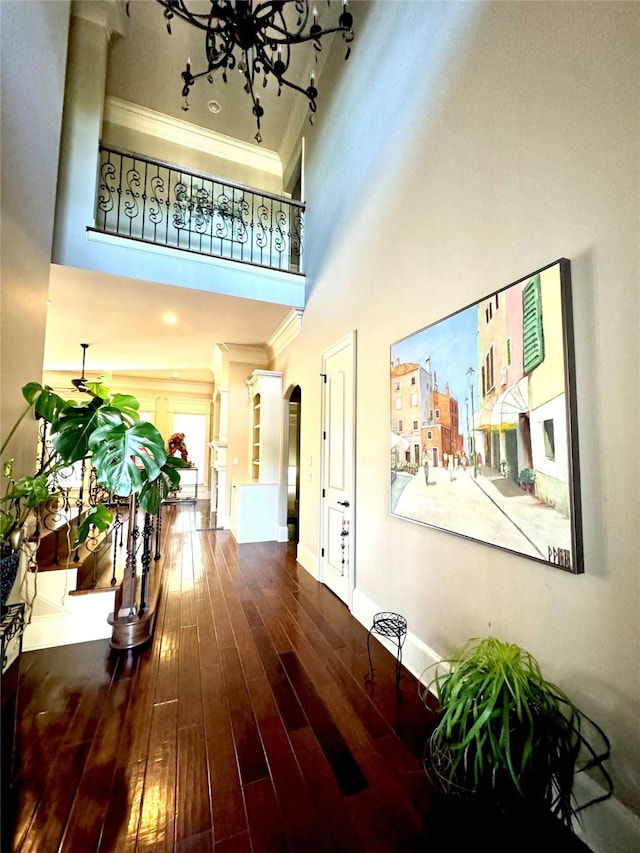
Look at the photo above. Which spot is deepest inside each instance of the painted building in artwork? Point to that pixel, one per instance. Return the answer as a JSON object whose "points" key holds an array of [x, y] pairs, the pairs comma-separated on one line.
{"points": [[504, 413], [492, 336], [522, 417], [442, 438], [411, 409], [544, 365]]}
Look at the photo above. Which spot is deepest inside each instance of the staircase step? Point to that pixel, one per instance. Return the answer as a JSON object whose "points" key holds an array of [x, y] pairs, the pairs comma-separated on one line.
{"points": [[93, 560], [96, 572]]}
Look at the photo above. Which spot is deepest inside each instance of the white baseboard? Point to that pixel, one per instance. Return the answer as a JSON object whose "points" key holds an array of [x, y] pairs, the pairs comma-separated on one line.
{"points": [[607, 827], [308, 560], [283, 534]]}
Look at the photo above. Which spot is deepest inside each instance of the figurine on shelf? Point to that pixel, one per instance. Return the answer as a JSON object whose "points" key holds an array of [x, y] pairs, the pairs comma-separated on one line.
{"points": [[176, 444]]}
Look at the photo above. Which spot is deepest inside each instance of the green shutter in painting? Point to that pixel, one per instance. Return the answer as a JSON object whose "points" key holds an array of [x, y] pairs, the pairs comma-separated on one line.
{"points": [[532, 336]]}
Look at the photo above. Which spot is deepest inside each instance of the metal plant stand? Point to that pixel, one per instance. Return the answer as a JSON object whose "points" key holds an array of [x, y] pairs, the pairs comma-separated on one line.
{"points": [[393, 626], [12, 624]]}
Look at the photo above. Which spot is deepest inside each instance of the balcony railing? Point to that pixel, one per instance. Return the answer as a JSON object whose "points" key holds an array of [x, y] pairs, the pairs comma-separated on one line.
{"points": [[156, 202]]}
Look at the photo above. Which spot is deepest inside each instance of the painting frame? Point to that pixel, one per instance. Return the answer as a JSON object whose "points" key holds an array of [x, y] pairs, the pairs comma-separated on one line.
{"points": [[504, 470]]}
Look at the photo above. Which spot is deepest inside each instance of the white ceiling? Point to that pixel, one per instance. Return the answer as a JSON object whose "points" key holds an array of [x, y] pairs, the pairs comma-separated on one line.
{"points": [[122, 318], [145, 67]]}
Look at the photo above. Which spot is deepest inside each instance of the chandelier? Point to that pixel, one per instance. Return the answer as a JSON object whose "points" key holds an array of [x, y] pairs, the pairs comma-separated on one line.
{"points": [[256, 39]]}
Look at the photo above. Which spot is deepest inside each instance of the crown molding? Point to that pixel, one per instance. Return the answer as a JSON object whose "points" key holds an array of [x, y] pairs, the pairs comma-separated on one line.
{"points": [[105, 13], [286, 332], [243, 354], [152, 123]]}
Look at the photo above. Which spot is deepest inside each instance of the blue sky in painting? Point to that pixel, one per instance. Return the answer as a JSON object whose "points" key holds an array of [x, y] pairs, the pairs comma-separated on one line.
{"points": [[452, 345]]}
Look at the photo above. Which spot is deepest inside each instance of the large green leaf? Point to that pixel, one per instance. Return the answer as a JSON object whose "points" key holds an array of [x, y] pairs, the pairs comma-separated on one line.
{"points": [[98, 387], [73, 429], [99, 517], [155, 491], [32, 490], [127, 405], [125, 458], [46, 403], [7, 521]]}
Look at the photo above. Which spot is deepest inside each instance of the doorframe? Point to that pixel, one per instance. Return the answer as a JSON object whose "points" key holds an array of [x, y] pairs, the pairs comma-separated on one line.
{"points": [[349, 339], [283, 527]]}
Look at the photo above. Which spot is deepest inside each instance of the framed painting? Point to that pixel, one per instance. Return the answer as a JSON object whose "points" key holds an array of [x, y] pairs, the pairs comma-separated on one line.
{"points": [[483, 440]]}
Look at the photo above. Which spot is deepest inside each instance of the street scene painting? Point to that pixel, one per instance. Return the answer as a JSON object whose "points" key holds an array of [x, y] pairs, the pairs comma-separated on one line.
{"points": [[483, 440]]}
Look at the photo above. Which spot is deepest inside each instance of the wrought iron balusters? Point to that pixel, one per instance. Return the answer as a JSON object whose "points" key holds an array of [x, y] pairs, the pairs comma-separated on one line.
{"points": [[145, 199]]}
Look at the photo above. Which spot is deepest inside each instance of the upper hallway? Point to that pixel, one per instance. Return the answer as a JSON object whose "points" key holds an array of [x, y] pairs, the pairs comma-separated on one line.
{"points": [[145, 194]]}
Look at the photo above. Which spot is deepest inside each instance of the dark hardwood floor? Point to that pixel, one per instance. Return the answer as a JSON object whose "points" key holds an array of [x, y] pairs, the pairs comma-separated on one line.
{"points": [[246, 725]]}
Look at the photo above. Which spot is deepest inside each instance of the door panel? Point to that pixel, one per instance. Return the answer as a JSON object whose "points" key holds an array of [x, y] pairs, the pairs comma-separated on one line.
{"points": [[338, 465]]}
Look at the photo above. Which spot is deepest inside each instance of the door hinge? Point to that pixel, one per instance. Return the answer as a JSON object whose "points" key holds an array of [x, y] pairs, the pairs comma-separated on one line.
{"points": [[324, 493], [324, 378], [322, 552], [324, 434]]}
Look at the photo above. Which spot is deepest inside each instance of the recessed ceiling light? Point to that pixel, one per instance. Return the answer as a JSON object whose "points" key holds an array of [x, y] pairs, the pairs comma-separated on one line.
{"points": [[213, 107], [170, 319]]}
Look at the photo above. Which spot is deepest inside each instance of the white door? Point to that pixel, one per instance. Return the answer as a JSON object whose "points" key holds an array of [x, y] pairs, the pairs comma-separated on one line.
{"points": [[338, 468]]}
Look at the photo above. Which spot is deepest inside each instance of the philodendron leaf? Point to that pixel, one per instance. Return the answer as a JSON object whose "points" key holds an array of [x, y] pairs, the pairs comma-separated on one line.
{"points": [[46, 403], [128, 405], [155, 491], [99, 517], [33, 490], [99, 387], [31, 390], [73, 429], [6, 523], [125, 458]]}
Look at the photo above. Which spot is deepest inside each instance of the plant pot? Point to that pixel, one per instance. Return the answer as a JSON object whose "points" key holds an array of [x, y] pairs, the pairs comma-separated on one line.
{"points": [[9, 561]]}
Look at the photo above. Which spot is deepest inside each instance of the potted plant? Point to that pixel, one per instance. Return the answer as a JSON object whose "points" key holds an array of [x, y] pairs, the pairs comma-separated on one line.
{"points": [[506, 736], [527, 480], [128, 456]]}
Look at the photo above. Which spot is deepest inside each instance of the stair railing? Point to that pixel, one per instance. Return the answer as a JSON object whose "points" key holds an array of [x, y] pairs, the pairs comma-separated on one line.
{"points": [[135, 541]]}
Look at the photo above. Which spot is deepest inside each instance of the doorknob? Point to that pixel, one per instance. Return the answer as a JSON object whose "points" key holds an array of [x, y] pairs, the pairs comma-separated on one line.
{"points": [[343, 503]]}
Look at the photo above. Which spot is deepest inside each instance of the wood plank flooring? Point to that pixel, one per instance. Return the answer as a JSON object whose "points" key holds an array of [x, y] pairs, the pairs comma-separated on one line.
{"points": [[246, 725]]}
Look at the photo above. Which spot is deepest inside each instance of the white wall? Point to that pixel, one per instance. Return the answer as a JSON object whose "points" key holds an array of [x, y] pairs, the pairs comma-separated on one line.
{"points": [[33, 51], [503, 137]]}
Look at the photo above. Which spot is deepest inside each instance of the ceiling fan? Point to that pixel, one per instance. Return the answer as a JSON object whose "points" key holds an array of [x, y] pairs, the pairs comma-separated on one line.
{"points": [[80, 384]]}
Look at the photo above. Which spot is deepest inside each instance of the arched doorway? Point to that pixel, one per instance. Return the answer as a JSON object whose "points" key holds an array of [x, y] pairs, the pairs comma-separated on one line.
{"points": [[293, 463]]}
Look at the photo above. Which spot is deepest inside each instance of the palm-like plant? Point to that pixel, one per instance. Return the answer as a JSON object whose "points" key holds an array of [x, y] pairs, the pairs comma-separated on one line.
{"points": [[507, 735]]}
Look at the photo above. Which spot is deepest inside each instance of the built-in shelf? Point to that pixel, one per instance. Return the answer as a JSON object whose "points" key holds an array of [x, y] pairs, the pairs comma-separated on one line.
{"points": [[255, 501]]}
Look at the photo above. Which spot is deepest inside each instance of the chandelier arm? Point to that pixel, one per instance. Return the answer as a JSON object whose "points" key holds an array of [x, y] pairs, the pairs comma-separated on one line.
{"points": [[302, 91], [222, 50], [177, 7], [261, 32], [270, 10], [297, 38]]}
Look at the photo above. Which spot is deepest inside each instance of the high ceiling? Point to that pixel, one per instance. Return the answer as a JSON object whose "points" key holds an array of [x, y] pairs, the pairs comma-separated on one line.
{"points": [[141, 328], [122, 318], [145, 68]]}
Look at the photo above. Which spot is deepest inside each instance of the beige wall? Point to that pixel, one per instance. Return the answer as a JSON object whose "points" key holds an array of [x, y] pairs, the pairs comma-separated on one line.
{"points": [[515, 142], [32, 73], [499, 138], [127, 139]]}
